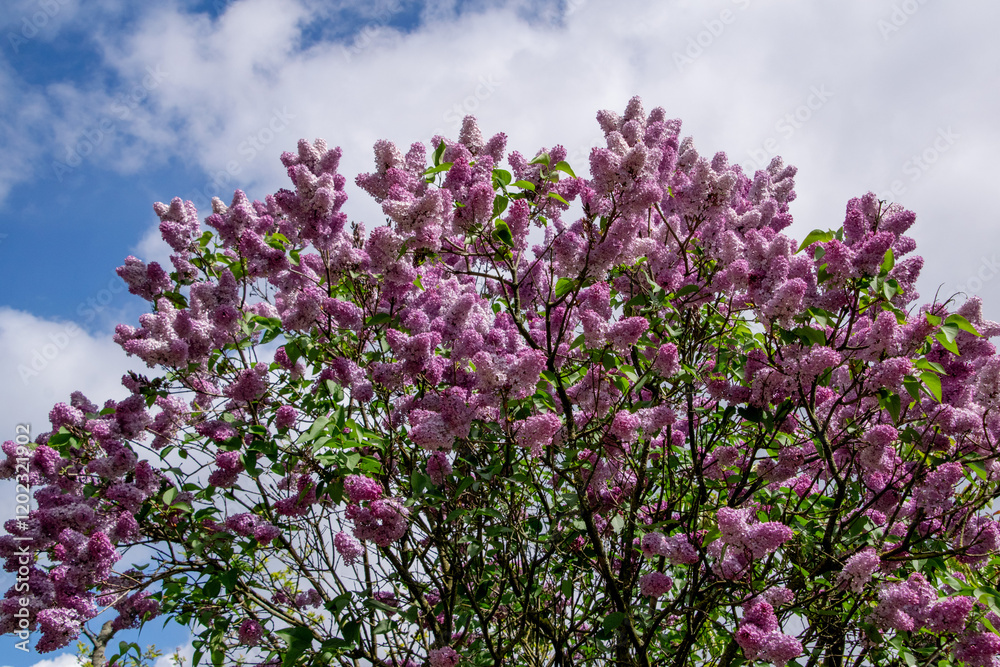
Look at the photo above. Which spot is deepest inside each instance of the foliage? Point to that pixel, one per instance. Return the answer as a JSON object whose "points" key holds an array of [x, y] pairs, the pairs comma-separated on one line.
{"points": [[660, 433]]}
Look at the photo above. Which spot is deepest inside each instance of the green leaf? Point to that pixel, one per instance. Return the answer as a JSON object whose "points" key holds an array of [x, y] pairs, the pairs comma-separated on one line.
{"points": [[502, 176], [980, 472], [502, 233], [888, 261], [810, 336], [923, 364], [564, 166], [558, 197], [525, 185], [314, 430], [564, 286], [438, 152], [541, 158], [815, 236], [419, 285], [169, 495], [444, 166], [947, 342], [377, 319], [352, 631], [296, 633], [613, 620], [933, 384], [893, 405], [912, 386], [889, 290], [500, 205], [962, 323], [417, 482], [687, 289]]}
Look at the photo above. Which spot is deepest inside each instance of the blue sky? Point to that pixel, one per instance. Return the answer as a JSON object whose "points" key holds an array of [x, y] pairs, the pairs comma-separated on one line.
{"points": [[107, 106]]}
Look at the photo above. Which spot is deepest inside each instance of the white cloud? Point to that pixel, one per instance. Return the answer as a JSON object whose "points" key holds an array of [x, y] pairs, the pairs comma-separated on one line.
{"points": [[23, 112], [186, 652], [64, 660]]}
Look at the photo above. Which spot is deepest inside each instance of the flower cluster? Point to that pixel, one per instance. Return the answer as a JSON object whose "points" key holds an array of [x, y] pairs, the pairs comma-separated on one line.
{"points": [[760, 637]]}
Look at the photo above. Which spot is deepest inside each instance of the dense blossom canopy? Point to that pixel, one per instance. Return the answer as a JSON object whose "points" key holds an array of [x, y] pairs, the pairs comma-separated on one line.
{"points": [[534, 419]]}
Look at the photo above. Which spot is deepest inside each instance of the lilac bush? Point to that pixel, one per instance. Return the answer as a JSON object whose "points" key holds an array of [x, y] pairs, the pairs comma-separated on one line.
{"points": [[534, 419]]}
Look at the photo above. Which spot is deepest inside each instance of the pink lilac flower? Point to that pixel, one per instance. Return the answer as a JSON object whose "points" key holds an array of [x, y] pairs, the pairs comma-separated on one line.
{"points": [[666, 362], [383, 521], [778, 596], [228, 470], [285, 417], [147, 282], [654, 584], [760, 539], [537, 431], [625, 426], [595, 329], [250, 632], [438, 468], [349, 548], [978, 649], [249, 386], [135, 609], [934, 495], [265, 533], [359, 488], [242, 524], [625, 334], [949, 614], [760, 637], [65, 415], [679, 550], [653, 545], [442, 657], [310, 598], [858, 570], [780, 648], [980, 537], [58, 626], [903, 606], [430, 431]]}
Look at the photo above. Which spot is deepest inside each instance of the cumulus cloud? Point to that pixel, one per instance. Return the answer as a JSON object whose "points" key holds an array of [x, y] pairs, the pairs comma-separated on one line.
{"points": [[45, 361], [64, 660]]}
